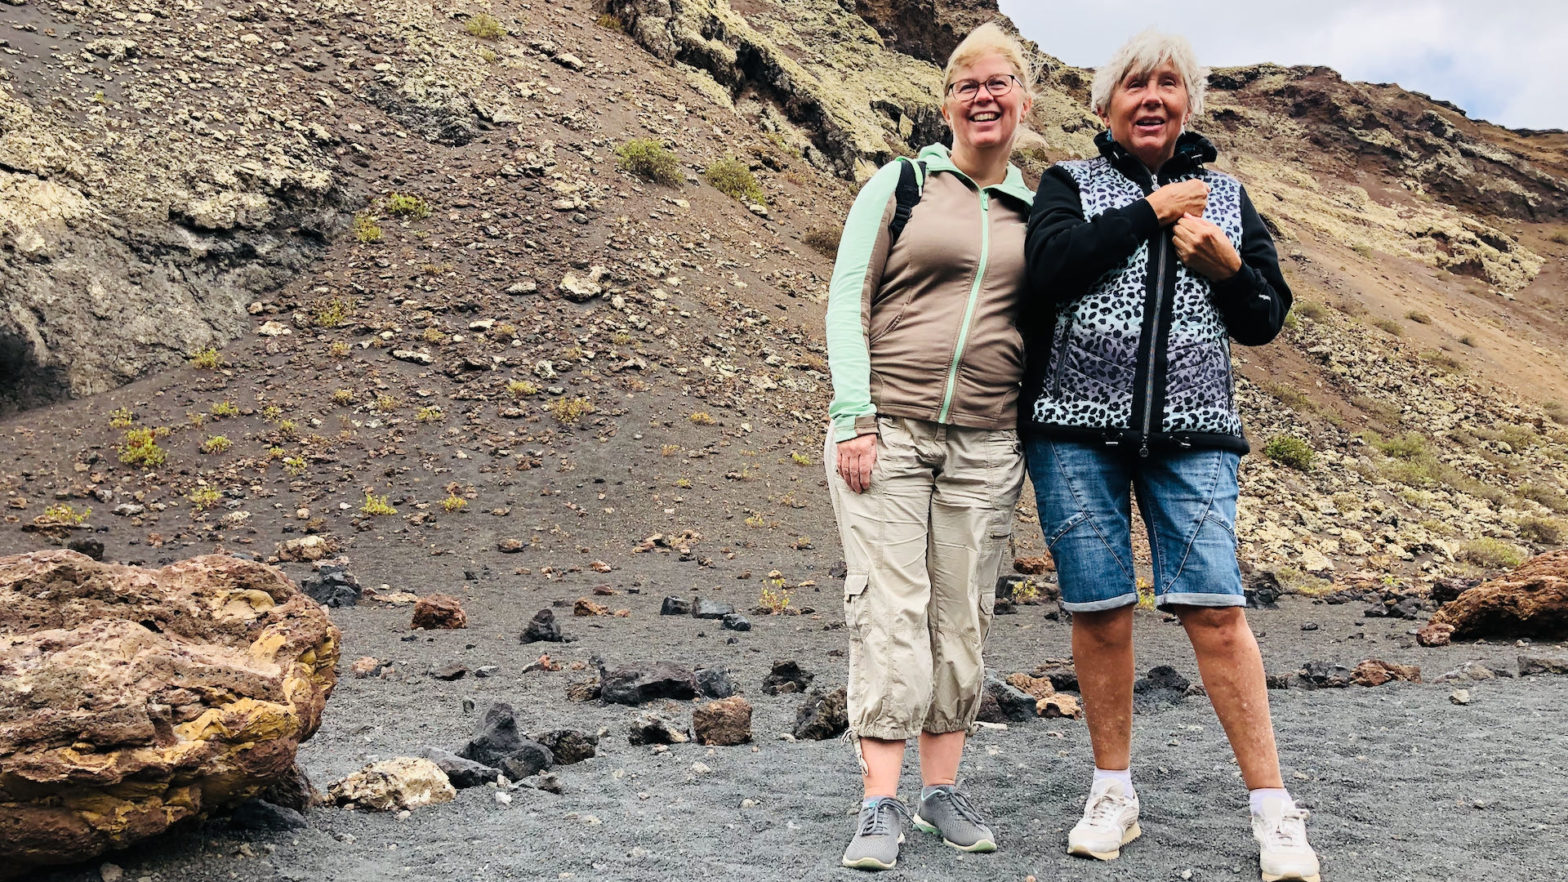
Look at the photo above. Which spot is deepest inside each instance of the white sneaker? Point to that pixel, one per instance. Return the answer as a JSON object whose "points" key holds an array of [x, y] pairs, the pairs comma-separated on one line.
{"points": [[1110, 821], [1283, 852]]}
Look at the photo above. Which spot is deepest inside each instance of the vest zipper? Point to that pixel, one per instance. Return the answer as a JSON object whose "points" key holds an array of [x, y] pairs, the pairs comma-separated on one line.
{"points": [[969, 310], [1154, 347]]}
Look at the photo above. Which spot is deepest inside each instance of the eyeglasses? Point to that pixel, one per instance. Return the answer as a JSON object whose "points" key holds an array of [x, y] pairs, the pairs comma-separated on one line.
{"points": [[969, 90]]}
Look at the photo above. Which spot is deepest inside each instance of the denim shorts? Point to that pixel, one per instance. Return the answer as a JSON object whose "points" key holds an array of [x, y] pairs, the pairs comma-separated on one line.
{"points": [[1188, 502]]}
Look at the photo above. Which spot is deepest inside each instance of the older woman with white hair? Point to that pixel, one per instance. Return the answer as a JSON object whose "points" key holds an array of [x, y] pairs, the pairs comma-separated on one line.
{"points": [[923, 458], [1143, 263]]}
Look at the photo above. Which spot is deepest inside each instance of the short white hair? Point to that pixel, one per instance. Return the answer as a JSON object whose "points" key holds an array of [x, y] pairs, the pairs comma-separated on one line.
{"points": [[1143, 53]]}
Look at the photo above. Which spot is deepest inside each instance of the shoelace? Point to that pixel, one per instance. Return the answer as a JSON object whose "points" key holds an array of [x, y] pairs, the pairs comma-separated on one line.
{"points": [[1103, 806], [962, 805], [874, 822], [1289, 830]]}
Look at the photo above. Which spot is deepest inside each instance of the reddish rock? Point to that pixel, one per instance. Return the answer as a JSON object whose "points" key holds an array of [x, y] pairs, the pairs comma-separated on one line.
{"points": [[1058, 705], [586, 607], [439, 612], [1036, 687], [1531, 601], [724, 722], [133, 699], [1376, 672], [1034, 566], [1435, 634]]}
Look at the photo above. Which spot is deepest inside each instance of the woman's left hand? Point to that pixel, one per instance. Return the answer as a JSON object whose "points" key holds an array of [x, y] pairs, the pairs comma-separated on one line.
{"points": [[1205, 249]]}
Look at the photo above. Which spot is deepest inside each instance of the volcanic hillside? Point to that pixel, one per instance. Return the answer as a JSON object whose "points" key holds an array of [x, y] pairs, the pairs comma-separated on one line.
{"points": [[509, 289]]}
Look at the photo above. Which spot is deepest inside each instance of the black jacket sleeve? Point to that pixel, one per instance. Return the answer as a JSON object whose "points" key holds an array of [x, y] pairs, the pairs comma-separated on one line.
{"points": [[1066, 254], [1254, 301]]}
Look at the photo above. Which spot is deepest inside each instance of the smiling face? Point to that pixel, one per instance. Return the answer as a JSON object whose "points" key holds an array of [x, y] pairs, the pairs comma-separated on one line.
{"points": [[989, 121], [1146, 113]]}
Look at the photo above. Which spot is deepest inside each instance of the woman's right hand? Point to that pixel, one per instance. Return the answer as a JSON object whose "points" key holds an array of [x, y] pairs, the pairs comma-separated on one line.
{"points": [[856, 457], [1172, 201]]}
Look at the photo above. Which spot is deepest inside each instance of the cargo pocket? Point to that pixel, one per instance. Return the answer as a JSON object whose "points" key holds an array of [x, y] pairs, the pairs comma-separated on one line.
{"points": [[855, 600]]}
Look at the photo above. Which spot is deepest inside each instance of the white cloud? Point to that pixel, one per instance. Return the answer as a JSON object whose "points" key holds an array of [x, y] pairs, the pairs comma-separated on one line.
{"points": [[1502, 61]]}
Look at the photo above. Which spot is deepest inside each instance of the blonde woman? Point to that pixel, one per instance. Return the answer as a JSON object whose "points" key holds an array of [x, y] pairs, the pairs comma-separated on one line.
{"points": [[923, 458]]}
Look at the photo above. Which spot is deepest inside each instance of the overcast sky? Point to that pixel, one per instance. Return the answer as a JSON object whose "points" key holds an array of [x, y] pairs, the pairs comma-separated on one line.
{"points": [[1505, 61]]}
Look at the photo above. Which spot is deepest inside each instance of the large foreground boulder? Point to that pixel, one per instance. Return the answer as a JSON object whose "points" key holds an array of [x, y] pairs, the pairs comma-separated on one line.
{"points": [[1531, 601], [133, 699]]}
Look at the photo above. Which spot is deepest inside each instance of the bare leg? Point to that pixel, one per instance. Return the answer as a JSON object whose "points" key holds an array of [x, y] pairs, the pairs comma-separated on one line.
{"points": [[884, 761], [1232, 671], [1102, 653], [939, 756]]}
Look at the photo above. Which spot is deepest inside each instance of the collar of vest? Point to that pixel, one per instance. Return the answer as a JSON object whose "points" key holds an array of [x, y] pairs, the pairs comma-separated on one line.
{"points": [[1192, 152], [938, 158]]}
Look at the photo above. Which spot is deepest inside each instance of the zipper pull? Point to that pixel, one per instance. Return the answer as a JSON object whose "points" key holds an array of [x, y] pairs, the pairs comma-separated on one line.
{"points": [[1143, 452]]}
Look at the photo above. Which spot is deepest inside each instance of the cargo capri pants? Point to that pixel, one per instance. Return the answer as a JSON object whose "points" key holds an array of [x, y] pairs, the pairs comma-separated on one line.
{"points": [[924, 545]]}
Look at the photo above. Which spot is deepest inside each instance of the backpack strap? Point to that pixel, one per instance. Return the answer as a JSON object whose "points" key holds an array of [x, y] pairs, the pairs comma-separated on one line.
{"points": [[911, 183]]}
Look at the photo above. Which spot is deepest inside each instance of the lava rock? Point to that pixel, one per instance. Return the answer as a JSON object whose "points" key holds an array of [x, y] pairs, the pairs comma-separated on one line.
{"points": [[1324, 675], [570, 745], [736, 622], [725, 722], [1540, 664], [542, 628], [787, 677], [397, 784], [636, 684], [530, 758], [495, 738], [712, 609], [438, 612], [463, 773], [654, 729], [823, 716], [1161, 687], [264, 817], [1376, 672], [455, 671], [88, 546], [1263, 589], [1014, 704], [674, 606], [333, 586], [715, 682], [1530, 601]]}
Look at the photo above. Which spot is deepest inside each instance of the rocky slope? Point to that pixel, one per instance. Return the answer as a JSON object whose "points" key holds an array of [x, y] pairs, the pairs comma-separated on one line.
{"points": [[449, 292]]}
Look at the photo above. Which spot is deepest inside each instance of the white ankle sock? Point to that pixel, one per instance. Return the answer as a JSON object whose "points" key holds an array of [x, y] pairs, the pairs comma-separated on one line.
{"points": [[1264, 794], [1122, 775]]}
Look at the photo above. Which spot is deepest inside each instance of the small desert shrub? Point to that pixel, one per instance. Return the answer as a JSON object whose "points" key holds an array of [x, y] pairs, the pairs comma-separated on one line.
{"points": [[1291, 451], [408, 206], [139, 447], [386, 403], [376, 505], [342, 397], [216, 444], [339, 349], [288, 429], [755, 519], [669, 449], [206, 359], [1491, 553], [1291, 396], [823, 240], [569, 411], [204, 498], [121, 418], [65, 514], [1467, 340], [649, 160], [1560, 237], [1389, 326], [505, 329], [520, 389], [366, 230], [1363, 249], [1291, 322], [453, 504], [295, 465], [611, 23], [1444, 362], [331, 313], [1547, 496], [1418, 317], [702, 418], [734, 179], [224, 409], [433, 335], [1410, 445], [683, 483], [430, 415], [1541, 531], [1308, 309], [800, 459], [1553, 409], [774, 599], [484, 26]]}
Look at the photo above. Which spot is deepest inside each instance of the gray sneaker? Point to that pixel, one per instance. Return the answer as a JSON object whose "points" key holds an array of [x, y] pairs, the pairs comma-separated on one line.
{"points": [[949, 813], [878, 833]]}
